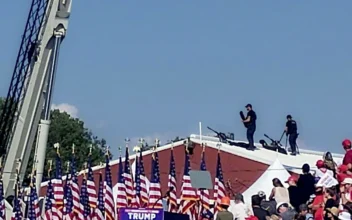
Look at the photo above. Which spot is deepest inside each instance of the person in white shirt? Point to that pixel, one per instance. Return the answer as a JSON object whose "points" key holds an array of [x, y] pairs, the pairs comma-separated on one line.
{"points": [[322, 170], [239, 209]]}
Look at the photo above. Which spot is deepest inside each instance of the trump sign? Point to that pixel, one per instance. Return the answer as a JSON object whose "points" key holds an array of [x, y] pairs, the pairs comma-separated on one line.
{"points": [[141, 214]]}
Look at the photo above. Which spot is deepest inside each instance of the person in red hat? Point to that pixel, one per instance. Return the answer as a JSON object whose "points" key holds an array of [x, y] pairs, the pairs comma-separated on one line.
{"points": [[347, 160], [322, 169], [293, 192]]}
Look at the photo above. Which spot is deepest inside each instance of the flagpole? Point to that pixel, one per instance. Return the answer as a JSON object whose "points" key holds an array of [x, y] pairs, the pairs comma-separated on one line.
{"points": [[200, 131]]}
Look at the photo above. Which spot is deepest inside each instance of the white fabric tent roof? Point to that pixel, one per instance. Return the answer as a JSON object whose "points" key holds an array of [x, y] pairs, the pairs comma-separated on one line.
{"points": [[264, 182]]}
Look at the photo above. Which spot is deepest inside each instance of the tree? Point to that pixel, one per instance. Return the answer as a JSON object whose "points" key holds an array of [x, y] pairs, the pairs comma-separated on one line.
{"points": [[67, 131]]}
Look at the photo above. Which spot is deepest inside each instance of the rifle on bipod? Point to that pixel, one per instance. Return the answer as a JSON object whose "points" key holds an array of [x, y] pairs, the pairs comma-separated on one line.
{"points": [[274, 142], [274, 146], [222, 136]]}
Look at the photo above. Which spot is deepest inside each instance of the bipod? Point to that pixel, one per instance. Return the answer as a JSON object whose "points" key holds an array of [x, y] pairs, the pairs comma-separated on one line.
{"points": [[297, 148], [282, 136]]}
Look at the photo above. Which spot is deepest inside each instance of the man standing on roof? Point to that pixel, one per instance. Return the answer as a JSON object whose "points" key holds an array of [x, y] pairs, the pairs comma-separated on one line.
{"points": [[251, 126], [291, 131]]}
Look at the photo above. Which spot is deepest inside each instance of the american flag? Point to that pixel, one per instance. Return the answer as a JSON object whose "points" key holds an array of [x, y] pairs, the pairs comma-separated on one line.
{"points": [[109, 197], [99, 211], [154, 187], [75, 191], [34, 210], [219, 188], [2, 202], [172, 199], [68, 209], [130, 192], [188, 193], [121, 201], [17, 207], [143, 190], [203, 194], [85, 209], [58, 189], [48, 215], [91, 189]]}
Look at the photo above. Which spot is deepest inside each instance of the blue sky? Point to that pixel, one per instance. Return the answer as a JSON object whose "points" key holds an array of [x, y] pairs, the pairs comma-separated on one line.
{"points": [[157, 68]]}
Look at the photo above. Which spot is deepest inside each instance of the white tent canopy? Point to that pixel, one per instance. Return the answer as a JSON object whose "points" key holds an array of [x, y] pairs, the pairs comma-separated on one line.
{"points": [[264, 182]]}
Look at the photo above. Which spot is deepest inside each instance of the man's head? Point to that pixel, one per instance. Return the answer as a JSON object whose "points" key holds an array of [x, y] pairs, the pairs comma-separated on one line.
{"points": [[256, 200], [305, 168], [262, 195], [346, 183], [225, 202], [303, 209], [238, 198], [249, 107], [346, 144], [289, 117], [282, 207]]}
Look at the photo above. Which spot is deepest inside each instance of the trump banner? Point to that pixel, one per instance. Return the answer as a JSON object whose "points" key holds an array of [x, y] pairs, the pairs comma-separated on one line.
{"points": [[141, 214]]}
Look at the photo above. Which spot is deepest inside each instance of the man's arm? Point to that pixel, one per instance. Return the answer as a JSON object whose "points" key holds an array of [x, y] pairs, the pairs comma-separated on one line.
{"points": [[248, 119]]}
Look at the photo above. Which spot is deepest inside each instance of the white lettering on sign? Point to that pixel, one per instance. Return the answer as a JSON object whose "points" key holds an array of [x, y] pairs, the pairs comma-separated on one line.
{"points": [[141, 216]]}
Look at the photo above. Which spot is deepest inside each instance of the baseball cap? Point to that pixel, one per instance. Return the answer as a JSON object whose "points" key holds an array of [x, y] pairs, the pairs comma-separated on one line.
{"points": [[248, 105], [347, 181], [291, 178]]}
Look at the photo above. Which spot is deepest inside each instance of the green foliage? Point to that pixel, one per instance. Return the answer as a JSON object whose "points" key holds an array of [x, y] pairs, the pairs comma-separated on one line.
{"points": [[67, 131]]}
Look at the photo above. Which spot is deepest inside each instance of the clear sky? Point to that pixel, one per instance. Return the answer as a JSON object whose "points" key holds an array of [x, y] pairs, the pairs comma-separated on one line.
{"points": [[156, 68]]}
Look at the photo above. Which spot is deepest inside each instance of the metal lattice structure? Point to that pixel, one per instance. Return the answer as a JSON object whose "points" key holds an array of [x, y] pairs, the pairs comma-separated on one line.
{"points": [[26, 113], [19, 81]]}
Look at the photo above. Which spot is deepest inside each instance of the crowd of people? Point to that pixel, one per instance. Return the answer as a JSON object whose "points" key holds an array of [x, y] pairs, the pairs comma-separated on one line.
{"points": [[307, 196]]}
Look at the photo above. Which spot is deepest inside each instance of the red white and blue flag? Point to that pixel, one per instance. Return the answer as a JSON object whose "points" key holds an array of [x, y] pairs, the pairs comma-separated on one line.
{"points": [[85, 209], [121, 201], [219, 188], [203, 194], [58, 190], [17, 207], [188, 193], [128, 180], [33, 209], [141, 182], [99, 211], [172, 198], [109, 203], [91, 189], [154, 186], [78, 214]]}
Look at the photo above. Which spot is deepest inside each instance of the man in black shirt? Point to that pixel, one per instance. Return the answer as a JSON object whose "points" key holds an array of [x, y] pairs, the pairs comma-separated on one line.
{"points": [[250, 121], [291, 131], [258, 211]]}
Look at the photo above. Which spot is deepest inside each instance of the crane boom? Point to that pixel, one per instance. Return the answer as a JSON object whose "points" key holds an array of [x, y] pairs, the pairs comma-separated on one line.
{"points": [[31, 103]]}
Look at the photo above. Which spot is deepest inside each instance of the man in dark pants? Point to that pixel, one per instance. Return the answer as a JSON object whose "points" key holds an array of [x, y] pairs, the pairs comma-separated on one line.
{"points": [[251, 126], [291, 131]]}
